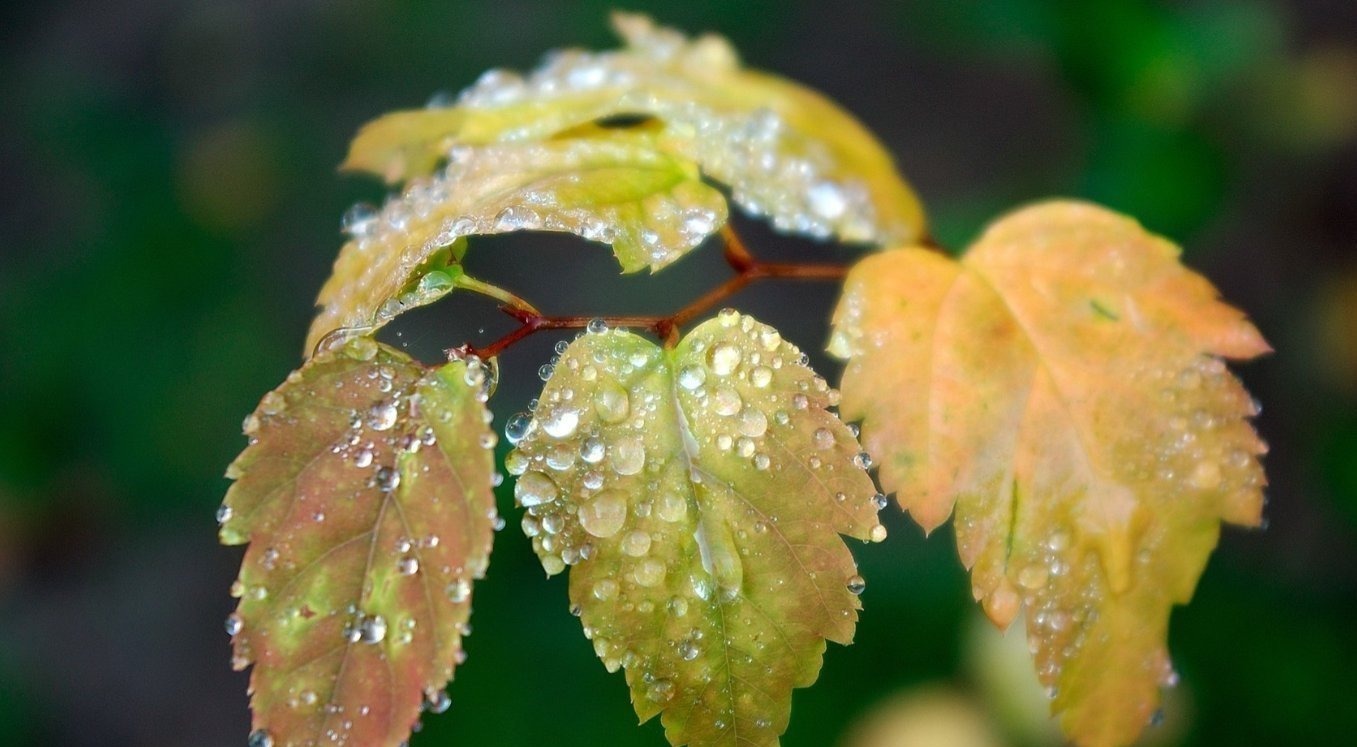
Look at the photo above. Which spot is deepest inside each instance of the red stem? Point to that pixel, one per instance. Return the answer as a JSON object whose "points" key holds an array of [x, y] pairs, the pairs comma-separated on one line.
{"points": [[747, 268]]}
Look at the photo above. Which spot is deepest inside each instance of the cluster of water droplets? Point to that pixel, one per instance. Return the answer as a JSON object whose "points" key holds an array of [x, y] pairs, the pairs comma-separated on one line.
{"points": [[772, 169], [1201, 454]]}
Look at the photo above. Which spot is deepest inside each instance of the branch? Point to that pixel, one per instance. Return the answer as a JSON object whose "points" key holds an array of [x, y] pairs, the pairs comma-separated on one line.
{"points": [[748, 269]]}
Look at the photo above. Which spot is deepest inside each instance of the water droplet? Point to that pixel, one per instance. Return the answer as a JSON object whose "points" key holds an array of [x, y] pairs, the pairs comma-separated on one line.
{"points": [[605, 514], [234, 624], [596, 327], [561, 423], [260, 738], [516, 429], [857, 584], [671, 507], [408, 566], [386, 479], [382, 416], [629, 455], [723, 359], [605, 589], [437, 701], [372, 629], [534, 489], [649, 573], [458, 591], [761, 377], [660, 691], [691, 377], [611, 402], [358, 219], [753, 422], [591, 450], [878, 533], [726, 401], [224, 513], [636, 544], [880, 500], [863, 460], [689, 650], [823, 438]]}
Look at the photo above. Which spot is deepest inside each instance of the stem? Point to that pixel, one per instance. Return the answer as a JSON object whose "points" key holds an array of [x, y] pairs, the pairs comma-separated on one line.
{"points": [[748, 269], [490, 290]]}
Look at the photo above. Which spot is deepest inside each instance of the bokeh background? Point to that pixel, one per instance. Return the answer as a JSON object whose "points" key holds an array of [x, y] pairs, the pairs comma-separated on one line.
{"points": [[171, 206]]}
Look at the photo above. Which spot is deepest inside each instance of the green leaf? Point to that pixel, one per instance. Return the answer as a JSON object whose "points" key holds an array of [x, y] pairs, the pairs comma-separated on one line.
{"points": [[618, 187], [1062, 388], [365, 497], [699, 493], [786, 151]]}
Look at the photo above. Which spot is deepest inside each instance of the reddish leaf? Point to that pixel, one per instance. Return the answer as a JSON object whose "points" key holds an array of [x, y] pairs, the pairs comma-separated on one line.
{"points": [[365, 497]]}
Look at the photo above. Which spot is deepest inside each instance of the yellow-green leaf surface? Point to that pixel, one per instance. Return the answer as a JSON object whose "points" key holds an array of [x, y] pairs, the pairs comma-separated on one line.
{"points": [[786, 151], [618, 187], [1061, 389], [699, 493], [365, 497]]}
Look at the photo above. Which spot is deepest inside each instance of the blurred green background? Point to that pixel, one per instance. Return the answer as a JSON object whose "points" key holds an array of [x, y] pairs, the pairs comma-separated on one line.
{"points": [[173, 207]]}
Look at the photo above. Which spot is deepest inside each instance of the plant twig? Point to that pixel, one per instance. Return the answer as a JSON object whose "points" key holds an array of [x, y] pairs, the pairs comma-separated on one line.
{"points": [[747, 267]]}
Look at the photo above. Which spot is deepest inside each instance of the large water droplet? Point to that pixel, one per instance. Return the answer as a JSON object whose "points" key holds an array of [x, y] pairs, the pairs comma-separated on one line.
{"points": [[636, 544], [723, 359], [611, 402], [691, 377], [534, 489], [382, 416], [372, 629], [857, 584], [604, 515], [628, 455], [726, 401], [561, 423]]}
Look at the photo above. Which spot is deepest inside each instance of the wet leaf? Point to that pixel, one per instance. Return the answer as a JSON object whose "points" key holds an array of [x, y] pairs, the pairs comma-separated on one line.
{"points": [[1062, 389], [620, 188], [365, 497], [786, 151], [699, 493]]}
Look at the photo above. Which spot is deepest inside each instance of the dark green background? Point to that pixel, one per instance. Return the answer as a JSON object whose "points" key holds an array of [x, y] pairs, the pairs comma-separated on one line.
{"points": [[171, 206]]}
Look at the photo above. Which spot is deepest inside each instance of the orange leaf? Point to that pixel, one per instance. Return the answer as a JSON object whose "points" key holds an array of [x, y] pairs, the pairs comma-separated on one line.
{"points": [[1061, 389]]}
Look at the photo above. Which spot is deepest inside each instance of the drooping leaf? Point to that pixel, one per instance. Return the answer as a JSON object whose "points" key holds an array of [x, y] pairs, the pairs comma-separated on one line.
{"points": [[699, 493], [786, 151], [365, 497], [1061, 389], [618, 187]]}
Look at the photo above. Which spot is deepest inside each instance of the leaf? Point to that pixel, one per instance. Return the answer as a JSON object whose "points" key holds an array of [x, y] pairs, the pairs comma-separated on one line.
{"points": [[1062, 386], [618, 187], [365, 497], [699, 492], [786, 151]]}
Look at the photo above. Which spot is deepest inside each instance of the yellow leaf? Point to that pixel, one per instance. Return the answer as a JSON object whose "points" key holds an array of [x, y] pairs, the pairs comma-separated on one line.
{"points": [[365, 497], [786, 151], [699, 493], [617, 187], [1061, 390]]}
